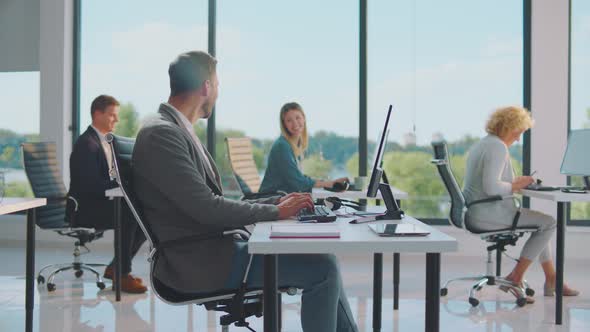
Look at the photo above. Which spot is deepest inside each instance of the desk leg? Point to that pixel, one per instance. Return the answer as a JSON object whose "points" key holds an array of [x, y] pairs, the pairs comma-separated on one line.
{"points": [[377, 290], [561, 219], [270, 300], [396, 259], [30, 271], [117, 267], [432, 292]]}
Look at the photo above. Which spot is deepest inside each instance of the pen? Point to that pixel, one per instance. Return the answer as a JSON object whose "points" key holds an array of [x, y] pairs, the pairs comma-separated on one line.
{"points": [[533, 173]]}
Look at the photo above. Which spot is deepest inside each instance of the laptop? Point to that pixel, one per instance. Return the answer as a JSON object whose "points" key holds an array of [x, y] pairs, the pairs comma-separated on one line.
{"points": [[398, 230]]}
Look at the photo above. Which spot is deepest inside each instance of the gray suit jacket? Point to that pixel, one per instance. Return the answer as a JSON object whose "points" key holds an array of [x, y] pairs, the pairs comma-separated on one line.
{"points": [[181, 197]]}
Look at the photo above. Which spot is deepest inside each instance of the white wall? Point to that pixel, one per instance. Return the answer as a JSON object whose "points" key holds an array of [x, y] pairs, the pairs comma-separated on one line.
{"points": [[19, 35], [549, 93], [56, 59]]}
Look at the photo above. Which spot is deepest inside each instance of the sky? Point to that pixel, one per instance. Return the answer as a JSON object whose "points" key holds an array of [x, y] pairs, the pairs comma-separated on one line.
{"points": [[444, 70]]}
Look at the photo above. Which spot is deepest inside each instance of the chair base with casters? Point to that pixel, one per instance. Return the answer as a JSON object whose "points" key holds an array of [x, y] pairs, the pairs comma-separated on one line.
{"points": [[500, 240], [41, 166], [84, 236]]}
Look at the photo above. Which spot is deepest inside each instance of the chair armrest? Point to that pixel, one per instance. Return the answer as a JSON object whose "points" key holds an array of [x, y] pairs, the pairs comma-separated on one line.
{"points": [[239, 234], [55, 199]]}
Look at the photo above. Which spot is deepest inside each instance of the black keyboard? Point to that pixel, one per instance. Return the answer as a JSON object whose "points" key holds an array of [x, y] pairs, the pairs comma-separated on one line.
{"points": [[320, 213]]}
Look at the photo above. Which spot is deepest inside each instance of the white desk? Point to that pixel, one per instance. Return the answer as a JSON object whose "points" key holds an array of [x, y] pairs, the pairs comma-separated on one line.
{"points": [[16, 204], [357, 238], [378, 259], [562, 199], [350, 194]]}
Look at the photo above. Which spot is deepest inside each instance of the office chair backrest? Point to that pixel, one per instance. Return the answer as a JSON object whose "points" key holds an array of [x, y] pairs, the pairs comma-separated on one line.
{"points": [[123, 151], [42, 169], [241, 159], [441, 160]]}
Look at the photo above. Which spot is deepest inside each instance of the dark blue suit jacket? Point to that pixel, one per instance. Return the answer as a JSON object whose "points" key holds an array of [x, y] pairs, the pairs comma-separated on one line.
{"points": [[89, 178]]}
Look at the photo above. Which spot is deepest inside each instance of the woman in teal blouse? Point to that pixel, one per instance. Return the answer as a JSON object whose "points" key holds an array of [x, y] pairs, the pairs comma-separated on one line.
{"points": [[283, 172]]}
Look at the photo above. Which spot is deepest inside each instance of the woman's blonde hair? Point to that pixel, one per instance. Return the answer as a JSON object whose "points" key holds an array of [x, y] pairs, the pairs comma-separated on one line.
{"points": [[509, 119], [299, 145]]}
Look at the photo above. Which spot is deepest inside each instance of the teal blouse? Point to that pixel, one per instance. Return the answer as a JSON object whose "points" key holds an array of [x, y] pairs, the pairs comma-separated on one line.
{"points": [[283, 172]]}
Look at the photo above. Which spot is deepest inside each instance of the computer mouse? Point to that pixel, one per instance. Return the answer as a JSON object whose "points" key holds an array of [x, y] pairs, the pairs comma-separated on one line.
{"points": [[340, 186]]}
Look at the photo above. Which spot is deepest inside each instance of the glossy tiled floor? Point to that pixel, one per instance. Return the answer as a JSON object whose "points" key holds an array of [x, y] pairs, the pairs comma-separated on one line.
{"points": [[77, 305]]}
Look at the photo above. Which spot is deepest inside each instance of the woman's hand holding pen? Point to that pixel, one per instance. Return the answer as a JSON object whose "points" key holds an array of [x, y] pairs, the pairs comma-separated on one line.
{"points": [[521, 182]]}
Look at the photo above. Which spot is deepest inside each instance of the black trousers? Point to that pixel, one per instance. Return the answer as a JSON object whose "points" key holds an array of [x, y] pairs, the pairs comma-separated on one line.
{"points": [[99, 214], [133, 238]]}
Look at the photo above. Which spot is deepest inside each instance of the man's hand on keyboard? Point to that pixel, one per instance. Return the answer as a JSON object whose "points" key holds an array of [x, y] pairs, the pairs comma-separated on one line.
{"points": [[290, 206], [283, 198]]}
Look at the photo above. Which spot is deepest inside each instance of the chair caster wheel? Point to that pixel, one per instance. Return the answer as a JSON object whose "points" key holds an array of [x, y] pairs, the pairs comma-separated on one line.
{"points": [[40, 280], [78, 273], [443, 292], [521, 302], [50, 287], [530, 292], [100, 285], [475, 302]]}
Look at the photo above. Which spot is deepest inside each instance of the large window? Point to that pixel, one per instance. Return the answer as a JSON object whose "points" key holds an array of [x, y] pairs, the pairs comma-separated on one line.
{"points": [[126, 47], [444, 70], [276, 52], [19, 93], [580, 81]]}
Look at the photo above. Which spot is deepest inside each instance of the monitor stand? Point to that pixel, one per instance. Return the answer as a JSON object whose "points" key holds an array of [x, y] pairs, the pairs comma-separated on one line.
{"points": [[393, 211], [587, 182]]}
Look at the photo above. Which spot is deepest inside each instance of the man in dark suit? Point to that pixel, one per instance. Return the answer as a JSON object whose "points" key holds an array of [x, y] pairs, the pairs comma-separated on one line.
{"points": [[178, 185], [90, 164]]}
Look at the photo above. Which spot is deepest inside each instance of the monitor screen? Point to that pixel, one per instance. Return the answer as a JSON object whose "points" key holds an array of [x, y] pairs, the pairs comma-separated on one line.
{"points": [[576, 160], [379, 151]]}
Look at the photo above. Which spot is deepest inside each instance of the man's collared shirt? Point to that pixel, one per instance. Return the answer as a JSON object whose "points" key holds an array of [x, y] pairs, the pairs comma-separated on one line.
{"points": [[191, 130], [106, 147]]}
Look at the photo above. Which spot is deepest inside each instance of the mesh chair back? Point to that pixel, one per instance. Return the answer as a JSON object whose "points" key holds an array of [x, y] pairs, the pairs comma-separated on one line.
{"points": [[241, 159], [42, 169], [441, 160], [123, 150]]}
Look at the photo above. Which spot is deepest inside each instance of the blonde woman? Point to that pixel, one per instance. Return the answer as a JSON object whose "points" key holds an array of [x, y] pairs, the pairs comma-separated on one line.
{"points": [[283, 171], [489, 172]]}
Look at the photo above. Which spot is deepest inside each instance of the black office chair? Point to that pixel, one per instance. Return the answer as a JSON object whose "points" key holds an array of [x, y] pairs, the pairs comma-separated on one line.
{"points": [[41, 167], [499, 239], [238, 304]]}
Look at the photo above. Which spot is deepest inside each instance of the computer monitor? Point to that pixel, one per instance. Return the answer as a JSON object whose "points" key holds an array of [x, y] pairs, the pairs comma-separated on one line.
{"points": [[393, 210], [576, 160]]}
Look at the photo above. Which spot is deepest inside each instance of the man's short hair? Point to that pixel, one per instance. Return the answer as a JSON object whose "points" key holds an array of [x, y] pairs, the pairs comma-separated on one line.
{"points": [[189, 71], [101, 103]]}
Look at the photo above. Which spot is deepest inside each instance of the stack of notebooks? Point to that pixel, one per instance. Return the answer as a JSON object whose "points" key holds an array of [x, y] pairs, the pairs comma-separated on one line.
{"points": [[304, 231]]}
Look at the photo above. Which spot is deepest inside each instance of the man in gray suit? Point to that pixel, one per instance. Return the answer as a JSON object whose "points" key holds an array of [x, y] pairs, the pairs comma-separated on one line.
{"points": [[178, 186]]}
